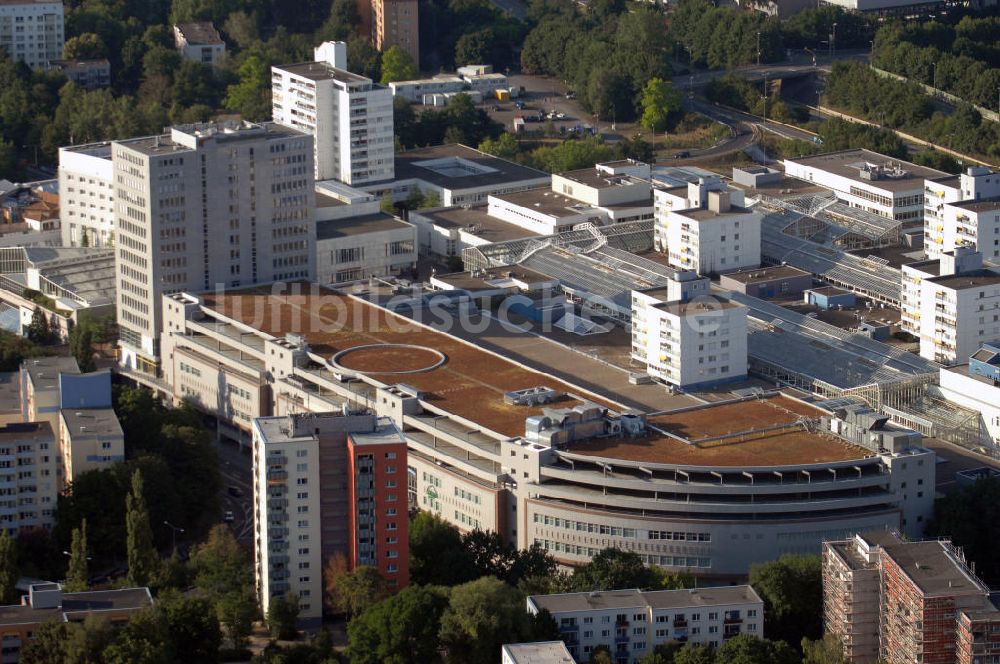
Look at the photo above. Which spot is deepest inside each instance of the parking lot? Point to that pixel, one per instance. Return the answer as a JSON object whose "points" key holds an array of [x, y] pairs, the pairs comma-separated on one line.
{"points": [[543, 94]]}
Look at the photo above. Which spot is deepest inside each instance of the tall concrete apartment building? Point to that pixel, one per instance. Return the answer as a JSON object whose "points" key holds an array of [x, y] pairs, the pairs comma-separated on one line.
{"points": [[215, 205], [393, 23], [327, 484], [87, 195], [32, 31], [898, 601], [944, 229], [349, 116]]}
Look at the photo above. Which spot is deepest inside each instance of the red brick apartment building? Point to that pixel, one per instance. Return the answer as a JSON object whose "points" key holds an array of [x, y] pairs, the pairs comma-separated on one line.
{"points": [[905, 602], [379, 525]]}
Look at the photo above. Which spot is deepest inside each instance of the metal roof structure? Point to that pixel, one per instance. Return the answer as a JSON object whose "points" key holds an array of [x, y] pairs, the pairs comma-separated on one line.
{"points": [[871, 277], [789, 346]]}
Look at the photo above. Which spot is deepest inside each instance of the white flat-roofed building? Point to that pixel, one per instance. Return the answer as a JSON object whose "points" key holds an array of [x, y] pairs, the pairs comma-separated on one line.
{"points": [[199, 42], [457, 175], [954, 308], [448, 231], [32, 31], [964, 388], [633, 622], [864, 179], [539, 652], [356, 248], [349, 116], [89, 439], [87, 195], [206, 206], [976, 183], [719, 237], [29, 475], [414, 91], [687, 337]]}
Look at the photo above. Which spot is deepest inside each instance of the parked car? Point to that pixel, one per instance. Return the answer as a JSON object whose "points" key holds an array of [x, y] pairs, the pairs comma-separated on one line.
{"points": [[229, 517], [570, 95], [235, 491], [519, 105], [683, 154]]}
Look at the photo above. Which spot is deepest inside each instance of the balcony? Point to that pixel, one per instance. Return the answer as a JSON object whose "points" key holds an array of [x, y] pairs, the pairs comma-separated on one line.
{"points": [[621, 638], [277, 475], [680, 624]]}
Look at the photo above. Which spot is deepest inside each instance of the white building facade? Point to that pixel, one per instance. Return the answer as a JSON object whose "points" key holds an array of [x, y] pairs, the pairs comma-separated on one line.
{"points": [[349, 116], [943, 229], [86, 195], [695, 340], [375, 245], [714, 239], [207, 206], [32, 31], [631, 623]]}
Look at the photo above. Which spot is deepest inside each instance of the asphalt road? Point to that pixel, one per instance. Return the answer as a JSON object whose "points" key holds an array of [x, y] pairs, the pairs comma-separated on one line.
{"points": [[236, 469]]}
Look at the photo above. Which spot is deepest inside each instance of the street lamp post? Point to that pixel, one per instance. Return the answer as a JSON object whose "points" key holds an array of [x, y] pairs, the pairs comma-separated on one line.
{"points": [[758, 48], [173, 530], [833, 40]]}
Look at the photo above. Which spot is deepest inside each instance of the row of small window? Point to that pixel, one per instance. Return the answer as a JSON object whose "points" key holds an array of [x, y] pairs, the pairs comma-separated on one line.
{"points": [[618, 531], [467, 520], [188, 369], [430, 479], [677, 561], [467, 495]]}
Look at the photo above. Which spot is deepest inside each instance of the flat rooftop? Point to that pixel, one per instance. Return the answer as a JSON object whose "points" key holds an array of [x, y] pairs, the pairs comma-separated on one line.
{"points": [[322, 71], [845, 163], [470, 384], [723, 424], [545, 201], [705, 214], [703, 305], [43, 372], [482, 279], [455, 166], [766, 274], [475, 220], [202, 33], [16, 432], [370, 223], [982, 205], [92, 421], [592, 177], [967, 280], [75, 604], [933, 568], [222, 131], [657, 599], [385, 433], [540, 652]]}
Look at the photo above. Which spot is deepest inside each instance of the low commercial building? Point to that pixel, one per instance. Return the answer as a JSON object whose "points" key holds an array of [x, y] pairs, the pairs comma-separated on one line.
{"points": [[199, 42], [457, 175], [897, 601], [830, 297], [449, 231], [87, 74], [874, 182], [768, 282], [414, 91], [687, 337], [47, 602], [631, 623], [688, 487], [327, 484], [952, 304], [356, 248], [943, 232], [719, 237], [539, 652], [68, 285]]}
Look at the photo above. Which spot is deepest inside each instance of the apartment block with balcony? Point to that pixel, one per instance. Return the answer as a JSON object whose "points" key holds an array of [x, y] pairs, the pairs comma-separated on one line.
{"points": [[899, 601], [32, 31], [318, 492], [631, 623], [29, 483], [199, 42], [719, 237], [941, 230], [86, 195], [394, 23], [688, 337], [974, 224], [349, 116], [952, 304], [206, 206]]}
